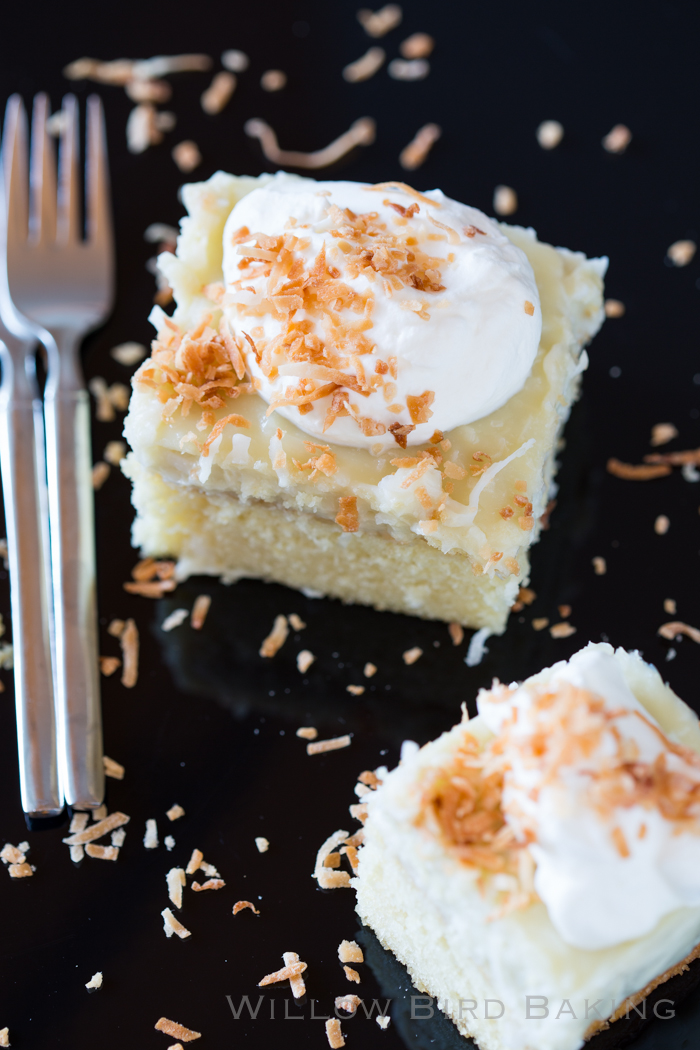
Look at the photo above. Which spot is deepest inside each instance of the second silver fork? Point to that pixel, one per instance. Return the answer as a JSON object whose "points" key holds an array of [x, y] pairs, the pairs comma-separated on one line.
{"points": [[64, 285]]}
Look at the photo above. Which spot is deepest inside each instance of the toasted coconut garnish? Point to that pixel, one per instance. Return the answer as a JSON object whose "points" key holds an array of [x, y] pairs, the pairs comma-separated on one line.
{"points": [[100, 473], [150, 838], [327, 878], [262, 844], [93, 984], [332, 860], [296, 622], [194, 862], [175, 812], [109, 664], [675, 628], [334, 744], [456, 633], [130, 654], [102, 852], [675, 459], [411, 655], [562, 630], [350, 952], [355, 690], [276, 638], [112, 768], [362, 133], [296, 983], [199, 611], [98, 830], [150, 589], [369, 670], [304, 660], [352, 975], [172, 926], [307, 732], [365, 67], [292, 970], [349, 1003], [347, 516], [637, 471], [662, 433], [20, 871], [175, 880], [219, 92], [416, 152], [379, 23], [210, 884], [351, 853], [176, 1030], [334, 1033], [242, 905]]}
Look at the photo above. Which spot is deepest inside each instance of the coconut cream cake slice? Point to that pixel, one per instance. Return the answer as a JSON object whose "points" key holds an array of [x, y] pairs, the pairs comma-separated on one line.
{"points": [[359, 394], [537, 869]]}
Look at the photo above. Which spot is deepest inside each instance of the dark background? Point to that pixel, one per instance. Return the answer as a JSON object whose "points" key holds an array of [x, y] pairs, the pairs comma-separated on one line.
{"points": [[210, 724]]}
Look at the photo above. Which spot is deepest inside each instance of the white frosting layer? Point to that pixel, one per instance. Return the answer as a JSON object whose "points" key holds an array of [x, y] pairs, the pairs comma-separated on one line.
{"points": [[471, 343], [596, 895]]}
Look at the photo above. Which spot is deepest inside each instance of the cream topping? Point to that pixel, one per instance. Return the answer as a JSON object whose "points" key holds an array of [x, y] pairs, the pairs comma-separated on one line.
{"points": [[373, 315], [610, 805]]}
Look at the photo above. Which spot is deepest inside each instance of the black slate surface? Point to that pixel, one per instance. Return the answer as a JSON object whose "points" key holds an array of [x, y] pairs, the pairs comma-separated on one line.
{"points": [[210, 724]]}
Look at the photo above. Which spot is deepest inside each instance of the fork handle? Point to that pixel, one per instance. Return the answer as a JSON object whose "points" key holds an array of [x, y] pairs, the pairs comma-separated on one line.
{"points": [[69, 463], [26, 520]]}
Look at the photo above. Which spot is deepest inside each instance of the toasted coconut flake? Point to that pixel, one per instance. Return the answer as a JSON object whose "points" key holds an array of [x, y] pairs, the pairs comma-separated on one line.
{"points": [[102, 852], [114, 452], [600, 566], [210, 884], [614, 308], [273, 80], [194, 862], [4, 1036], [130, 654], [169, 843], [20, 871], [417, 150], [561, 630], [99, 813], [689, 457], [362, 133], [369, 670], [358, 811], [365, 67], [150, 839], [296, 622], [637, 472], [661, 525], [219, 92], [100, 473], [411, 655], [175, 880], [307, 732], [456, 633], [94, 983], [109, 664], [175, 812], [199, 611], [540, 622], [117, 838], [676, 627], [171, 926], [334, 1034], [236, 61], [379, 23], [292, 970], [187, 155], [262, 844], [150, 588], [618, 139], [116, 628], [347, 516], [108, 398], [564, 611], [662, 433], [409, 69], [304, 660], [356, 690], [96, 831], [327, 878], [176, 1030], [334, 744], [383, 1021], [78, 822], [349, 1003], [681, 253], [505, 200], [176, 617], [276, 638], [549, 134], [670, 606], [77, 853], [10, 854], [332, 860], [242, 905], [419, 45], [352, 975], [296, 983], [113, 769], [350, 952]]}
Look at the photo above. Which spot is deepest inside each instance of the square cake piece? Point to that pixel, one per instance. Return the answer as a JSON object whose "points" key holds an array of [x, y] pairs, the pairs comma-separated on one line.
{"points": [[537, 869], [359, 394]]}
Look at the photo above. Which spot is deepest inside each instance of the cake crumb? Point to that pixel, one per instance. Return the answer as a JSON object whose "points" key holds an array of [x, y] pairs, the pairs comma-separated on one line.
{"points": [[540, 622], [350, 952], [93, 984], [150, 839], [334, 1033], [369, 670], [187, 155], [614, 308], [199, 611], [661, 525], [676, 627], [174, 619], [175, 812], [109, 664], [418, 45], [379, 23], [262, 843], [304, 660], [600, 566], [334, 744], [505, 200], [273, 80], [670, 606], [366, 66], [411, 655], [561, 630], [352, 975], [113, 769], [356, 690], [176, 1030], [617, 139], [549, 134], [242, 905], [276, 638], [296, 622], [172, 926], [307, 732], [681, 252], [456, 633], [662, 433]]}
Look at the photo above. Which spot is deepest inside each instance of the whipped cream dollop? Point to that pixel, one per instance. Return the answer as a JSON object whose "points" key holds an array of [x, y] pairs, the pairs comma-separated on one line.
{"points": [[374, 315], [610, 805]]}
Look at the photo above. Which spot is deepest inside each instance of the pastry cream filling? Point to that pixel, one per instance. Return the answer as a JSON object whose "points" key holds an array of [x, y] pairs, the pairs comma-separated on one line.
{"points": [[376, 315]]}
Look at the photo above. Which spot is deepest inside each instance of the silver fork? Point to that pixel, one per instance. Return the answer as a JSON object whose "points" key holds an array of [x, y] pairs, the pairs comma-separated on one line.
{"points": [[64, 285]]}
